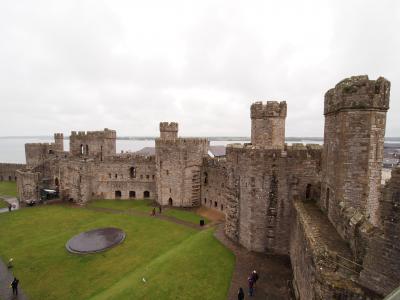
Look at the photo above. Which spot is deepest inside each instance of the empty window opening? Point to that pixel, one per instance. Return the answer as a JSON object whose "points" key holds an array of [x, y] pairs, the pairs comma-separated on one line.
{"points": [[51, 151], [118, 194], [205, 200], [110, 175], [132, 194], [170, 191], [132, 172], [81, 149], [154, 177], [87, 149], [146, 194], [116, 175], [308, 192], [205, 178]]}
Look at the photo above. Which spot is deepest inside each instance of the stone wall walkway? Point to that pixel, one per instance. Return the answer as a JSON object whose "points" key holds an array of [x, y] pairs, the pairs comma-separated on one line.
{"points": [[6, 277], [274, 271]]}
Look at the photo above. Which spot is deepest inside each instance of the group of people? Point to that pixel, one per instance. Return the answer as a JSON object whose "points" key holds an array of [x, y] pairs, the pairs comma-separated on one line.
{"points": [[252, 280], [153, 212]]}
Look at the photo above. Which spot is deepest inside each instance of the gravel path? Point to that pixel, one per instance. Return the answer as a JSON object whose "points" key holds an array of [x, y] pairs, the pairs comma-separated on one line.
{"points": [[274, 271]]}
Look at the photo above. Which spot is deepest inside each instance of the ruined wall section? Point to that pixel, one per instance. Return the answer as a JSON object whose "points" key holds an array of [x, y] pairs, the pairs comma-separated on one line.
{"points": [[268, 123], [93, 144], [381, 267], [214, 177], [125, 176], [8, 172], [178, 175], [355, 117], [28, 185], [261, 186], [37, 153]]}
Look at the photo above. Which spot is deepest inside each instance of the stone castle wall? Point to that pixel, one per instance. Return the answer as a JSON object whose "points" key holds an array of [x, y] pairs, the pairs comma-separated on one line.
{"points": [[97, 144], [178, 170], [214, 176], [8, 172], [262, 185]]}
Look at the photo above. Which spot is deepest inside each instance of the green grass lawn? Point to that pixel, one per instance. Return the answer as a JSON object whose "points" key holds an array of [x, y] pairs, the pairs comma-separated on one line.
{"points": [[177, 262], [3, 203], [140, 204], [8, 188], [184, 215], [146, 206]]}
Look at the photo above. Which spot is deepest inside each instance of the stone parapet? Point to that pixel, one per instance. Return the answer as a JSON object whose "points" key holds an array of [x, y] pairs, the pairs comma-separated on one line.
{"points": [[358, 93], [262, 110]]}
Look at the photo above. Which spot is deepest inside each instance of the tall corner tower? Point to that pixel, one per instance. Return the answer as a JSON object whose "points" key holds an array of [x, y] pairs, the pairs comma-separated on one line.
{"points": [[268, 123], [355, 119]]}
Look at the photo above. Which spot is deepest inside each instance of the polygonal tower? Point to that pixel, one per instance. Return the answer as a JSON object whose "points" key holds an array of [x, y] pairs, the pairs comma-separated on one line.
{"points": [[355, 120], [168, 130], [59, 141], [268, 124]]}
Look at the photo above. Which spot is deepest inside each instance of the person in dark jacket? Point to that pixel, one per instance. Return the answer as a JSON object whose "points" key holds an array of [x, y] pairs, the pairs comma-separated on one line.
{"points": [[240, 294], [9, 207], [159, 209], [14, 285], [251, 285], [254, 275]]}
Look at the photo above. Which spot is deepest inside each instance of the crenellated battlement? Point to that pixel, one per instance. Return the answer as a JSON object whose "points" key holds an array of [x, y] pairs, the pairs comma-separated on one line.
{"points": [[358, 93], [262, 110], [182, 142], [169, 126], [58, 136], [106, 133]]}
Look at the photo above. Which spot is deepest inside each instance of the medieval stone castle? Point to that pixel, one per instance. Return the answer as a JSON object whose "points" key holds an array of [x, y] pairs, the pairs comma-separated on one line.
{"points": [[324, 206]]}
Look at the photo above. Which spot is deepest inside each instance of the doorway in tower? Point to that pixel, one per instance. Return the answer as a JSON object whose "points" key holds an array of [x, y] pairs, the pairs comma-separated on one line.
{"points": [[170, 202]]}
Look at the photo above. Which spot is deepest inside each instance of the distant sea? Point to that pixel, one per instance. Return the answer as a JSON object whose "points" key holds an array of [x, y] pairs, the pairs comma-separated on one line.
{"points": [[12, 149]]}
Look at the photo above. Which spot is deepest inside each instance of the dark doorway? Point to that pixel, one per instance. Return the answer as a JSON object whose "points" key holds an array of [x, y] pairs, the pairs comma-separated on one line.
{"points": [[146, 194], [328, 191], [132, 194], [56, 182], [87, 149], [118, 194], [308, 192], [170, 202]]}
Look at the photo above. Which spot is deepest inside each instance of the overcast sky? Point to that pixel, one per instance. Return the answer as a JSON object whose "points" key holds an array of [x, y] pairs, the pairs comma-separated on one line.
{"points": [[127, 65]]}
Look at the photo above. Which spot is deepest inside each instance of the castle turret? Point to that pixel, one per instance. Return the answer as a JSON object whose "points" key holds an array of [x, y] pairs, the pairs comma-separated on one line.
{"points": [[268, 123], [355, 120], [168, 130], [59, 141], [97, 144]]}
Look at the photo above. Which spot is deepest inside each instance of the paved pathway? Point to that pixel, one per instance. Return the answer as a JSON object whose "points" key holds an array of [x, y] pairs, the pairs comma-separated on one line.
{"points": [[274, 271], [141, 213], [5, 279], [12, 200]]}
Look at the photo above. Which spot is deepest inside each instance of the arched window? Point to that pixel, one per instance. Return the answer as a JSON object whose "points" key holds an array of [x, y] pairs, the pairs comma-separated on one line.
{"points": [[132, 172], [146, 194], [132, 194], [118, 194], [205, 178], [81, 149]]}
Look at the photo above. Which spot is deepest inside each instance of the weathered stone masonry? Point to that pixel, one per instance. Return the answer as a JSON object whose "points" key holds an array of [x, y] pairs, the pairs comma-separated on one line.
{"points": [[325, 206]]}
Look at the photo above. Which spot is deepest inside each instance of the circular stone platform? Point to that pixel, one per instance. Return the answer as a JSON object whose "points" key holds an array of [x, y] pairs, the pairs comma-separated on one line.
{"points": [[95, 240]]}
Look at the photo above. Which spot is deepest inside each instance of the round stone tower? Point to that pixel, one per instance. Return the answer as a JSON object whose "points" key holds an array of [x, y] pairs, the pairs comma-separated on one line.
{"points": [[268, 124], [168, 130]]}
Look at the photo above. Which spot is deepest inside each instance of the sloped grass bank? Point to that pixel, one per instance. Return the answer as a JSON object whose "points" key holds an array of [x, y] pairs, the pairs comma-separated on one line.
{"points": [[199, 268]]}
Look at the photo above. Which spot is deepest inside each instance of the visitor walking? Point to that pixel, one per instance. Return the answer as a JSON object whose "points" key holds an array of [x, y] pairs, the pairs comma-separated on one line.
{"points": [[240, 294], [255, 277], [159, 209], [9, 207], [14, 285], [251, 286], [10, 263], [153, 212]]}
